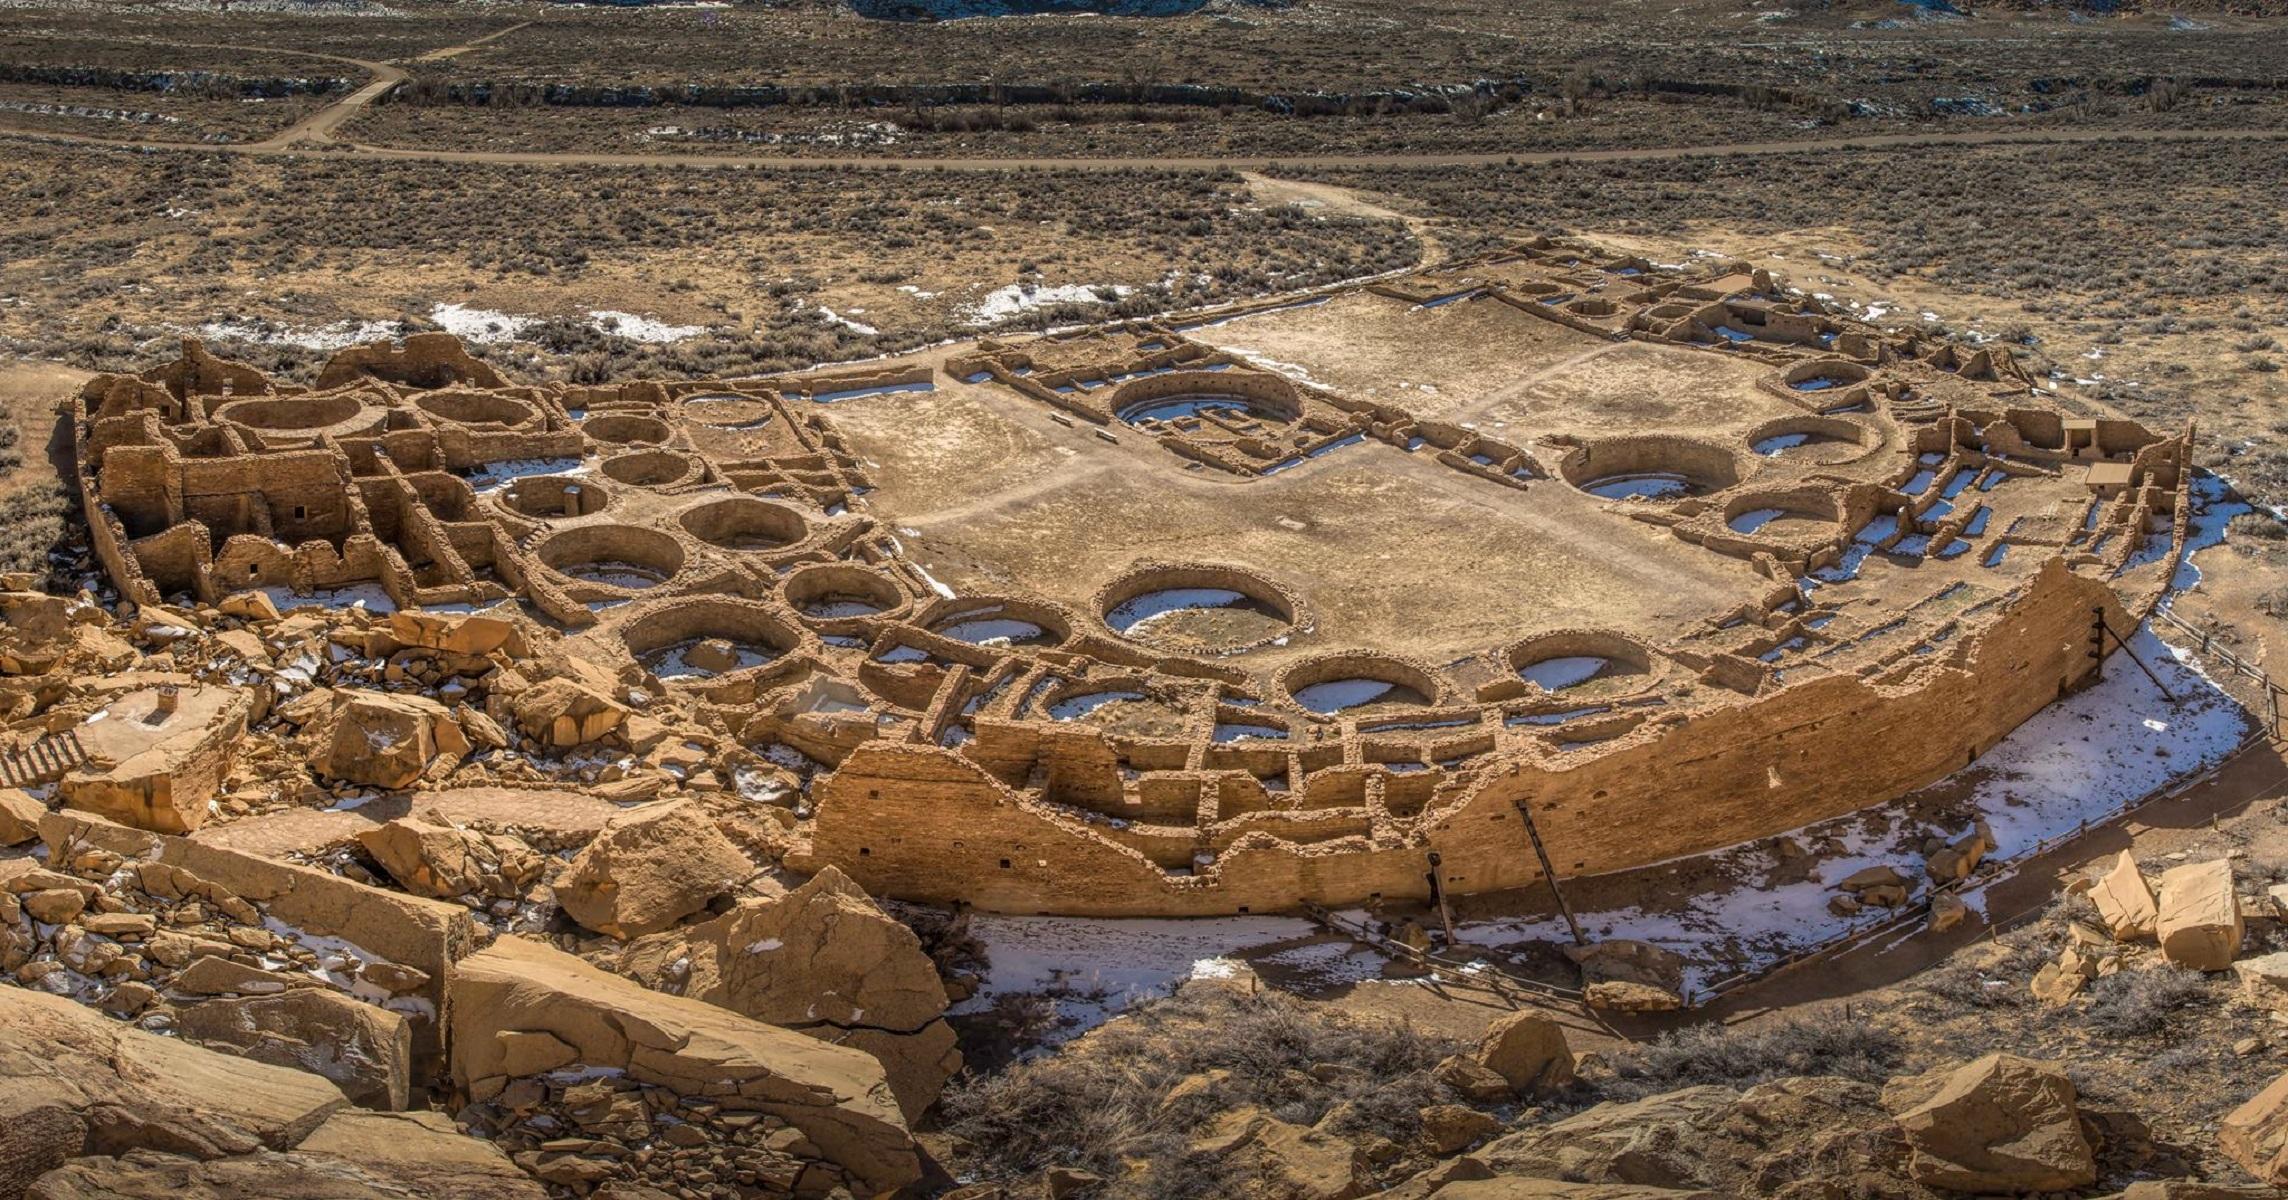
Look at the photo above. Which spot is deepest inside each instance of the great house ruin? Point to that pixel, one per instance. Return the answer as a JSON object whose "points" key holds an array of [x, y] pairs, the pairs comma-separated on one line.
{"points": [[1242, 610]]}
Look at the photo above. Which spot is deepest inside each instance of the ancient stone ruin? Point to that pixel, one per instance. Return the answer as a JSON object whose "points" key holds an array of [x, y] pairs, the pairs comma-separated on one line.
{"points": [[560, 756]]}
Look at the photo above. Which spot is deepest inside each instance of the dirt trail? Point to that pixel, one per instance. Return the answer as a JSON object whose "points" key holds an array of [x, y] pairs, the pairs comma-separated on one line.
{"points": [[1327, 196]]}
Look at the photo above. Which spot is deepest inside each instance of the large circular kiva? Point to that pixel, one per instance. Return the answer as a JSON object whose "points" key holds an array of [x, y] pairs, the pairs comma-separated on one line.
{"points": [[745, 523], [708, 636], [621, 556], [1338, 684], [1180, 397], [998, 621], [727, 410], [1650, 467], [1198, 609]]}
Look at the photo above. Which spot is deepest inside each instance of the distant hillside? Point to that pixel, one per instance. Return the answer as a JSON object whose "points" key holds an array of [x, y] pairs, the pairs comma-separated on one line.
{"points": [[950, 10]]}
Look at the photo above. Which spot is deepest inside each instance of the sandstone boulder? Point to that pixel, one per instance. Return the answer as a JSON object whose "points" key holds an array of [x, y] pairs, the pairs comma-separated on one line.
{"points": [[2000, 1124], [2255, 1135], [354, 1156], [648, 869], [1528, 1051], [823, 959], [838, 1098], [385, 739], [19, 816], [364, 1049], [1947, 911], [1955, 861], [1452, 1128], [471, 635], [74, 1082], [2264, 980], [1630, 976], [2199, 922], [2124, 902], [562, 713], [1294, 1162], [429, 858], [156, 755], [1646, 1142]]}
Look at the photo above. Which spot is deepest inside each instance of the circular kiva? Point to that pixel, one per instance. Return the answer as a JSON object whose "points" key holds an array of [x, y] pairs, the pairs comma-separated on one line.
{"points": [[650, 468], [555, 496], [745, 523], [1598, 661], [1823, 374], [1354, 681], [625, 429], [998, 621], [727, 410], [830, 593], [476, 408], [1783, 515], [342, 414], [1826, 441], [623, 557], [1198, 608], [707, 637], [1650, 467], [1174, 397]]}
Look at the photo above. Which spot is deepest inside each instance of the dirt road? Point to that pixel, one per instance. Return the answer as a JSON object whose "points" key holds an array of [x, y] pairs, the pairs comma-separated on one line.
{"points": [[313, 135]]}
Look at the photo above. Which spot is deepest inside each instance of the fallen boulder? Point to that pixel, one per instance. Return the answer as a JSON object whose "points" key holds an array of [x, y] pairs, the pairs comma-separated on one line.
{"points": [[2124, 902], [385, 739], [1999, 1124], [429, 858], [714, 1059], [1295, 1162], [19, 816], [1528, 1051], [2255, 1135], [2199, 922], [2264, 980], [562, 713], [1630, 976], [157, 755], [74, 1082], [354, 1156], [364, 1049], [823, 959], [648, 869]]}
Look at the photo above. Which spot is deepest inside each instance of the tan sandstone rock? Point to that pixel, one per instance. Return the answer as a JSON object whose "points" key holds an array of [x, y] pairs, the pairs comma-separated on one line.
{"points": [[2255, 1135], [1517, 1188], [823, 959], [1999, 1124], [563, 713], [1294, 1162], [838, 1098], [19, 816], [157, 755], [1528, 1051], [364, 1049], [2199, 922], [1630, 976], [2124, 902], [385, 739], [648, 869], [355, 1155], [2264, 980], [433, 859], [74, 1082]]}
